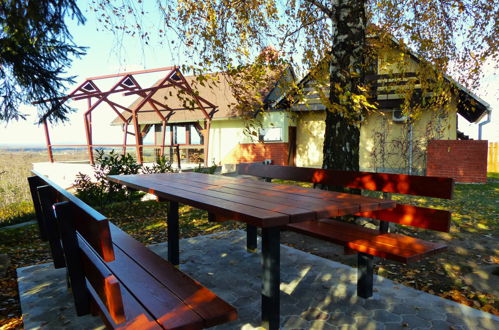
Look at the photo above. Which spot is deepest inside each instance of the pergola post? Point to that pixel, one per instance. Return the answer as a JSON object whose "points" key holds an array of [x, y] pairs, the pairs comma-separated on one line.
{"points": [[207, 126], [138, 137], [47, 139], [88, 132]]}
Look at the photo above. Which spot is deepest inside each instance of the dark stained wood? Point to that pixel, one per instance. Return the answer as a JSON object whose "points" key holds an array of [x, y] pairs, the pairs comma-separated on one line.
{"points": [[295, 213], [402, 214], [396, 247], [90, 223], [249, 214], [365, 203], [47, 197], [413, 216], [34, 182], [394, 183], [103, 282], [136, 316], [297, 203], [205, 303], [137, 289], [169, 311]]}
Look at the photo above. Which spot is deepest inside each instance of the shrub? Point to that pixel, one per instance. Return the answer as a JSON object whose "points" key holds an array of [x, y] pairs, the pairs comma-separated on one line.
{"points": [[102, 191]]}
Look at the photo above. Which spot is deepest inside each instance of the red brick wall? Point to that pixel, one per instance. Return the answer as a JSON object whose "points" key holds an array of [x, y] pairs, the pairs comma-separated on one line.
{"points": [[463, 160], [258, 152]]}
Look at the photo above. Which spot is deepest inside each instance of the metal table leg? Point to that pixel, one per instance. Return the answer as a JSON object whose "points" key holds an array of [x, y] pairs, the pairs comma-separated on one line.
{"points": [[271, 278], [251, 238], [173, 233]]}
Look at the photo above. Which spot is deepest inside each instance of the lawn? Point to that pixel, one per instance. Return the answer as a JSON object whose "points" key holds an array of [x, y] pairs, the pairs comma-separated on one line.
{"points": [[473, 242]]}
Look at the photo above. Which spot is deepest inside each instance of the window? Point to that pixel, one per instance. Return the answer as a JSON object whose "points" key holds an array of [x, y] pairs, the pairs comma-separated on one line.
{"points": [[196, 137], [179, 134], [270, 134]]}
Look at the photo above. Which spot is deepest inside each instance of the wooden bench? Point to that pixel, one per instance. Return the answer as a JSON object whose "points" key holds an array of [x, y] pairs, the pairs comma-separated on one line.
{"points": [[364, 241], [112, 274]]}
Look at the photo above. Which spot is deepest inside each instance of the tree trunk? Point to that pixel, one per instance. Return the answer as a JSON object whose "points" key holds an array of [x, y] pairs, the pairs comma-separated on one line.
{"points": [[342, 134]]}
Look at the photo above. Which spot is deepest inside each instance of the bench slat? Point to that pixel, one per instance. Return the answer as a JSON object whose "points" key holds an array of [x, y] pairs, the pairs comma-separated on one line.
{"points": [[413, 216], [165, 307], [102, 281], [396, 247], [438, 187], [211, 308], [88, 221], [137, 316]]}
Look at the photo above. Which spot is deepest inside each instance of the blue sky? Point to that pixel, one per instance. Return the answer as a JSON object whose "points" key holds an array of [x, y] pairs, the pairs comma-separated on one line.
{"points": [[102, 58]]}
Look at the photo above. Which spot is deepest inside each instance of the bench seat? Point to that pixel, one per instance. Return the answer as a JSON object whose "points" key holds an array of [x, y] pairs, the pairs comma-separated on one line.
{"points": [[114, 275], [391, 246], [175, 299]]}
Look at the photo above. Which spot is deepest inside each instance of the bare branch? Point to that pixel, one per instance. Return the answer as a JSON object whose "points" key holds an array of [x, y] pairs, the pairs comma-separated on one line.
{"points": [[328, 12]]}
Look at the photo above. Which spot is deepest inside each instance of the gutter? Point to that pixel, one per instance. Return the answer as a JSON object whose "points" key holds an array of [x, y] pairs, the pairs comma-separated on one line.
{"points": [[483, 123]]}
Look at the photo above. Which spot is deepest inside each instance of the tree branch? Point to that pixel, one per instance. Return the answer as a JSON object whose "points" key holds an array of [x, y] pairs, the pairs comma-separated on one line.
{"points": [[323, 8], [289, 34]]}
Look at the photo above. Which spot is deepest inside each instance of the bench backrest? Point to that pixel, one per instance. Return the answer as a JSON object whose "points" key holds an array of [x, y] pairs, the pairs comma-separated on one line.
{"points": [[437, 187], [84, 237]]}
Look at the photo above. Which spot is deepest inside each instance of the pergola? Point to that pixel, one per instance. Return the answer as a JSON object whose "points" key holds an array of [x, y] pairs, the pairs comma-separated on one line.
{"points": [[126, 84]]}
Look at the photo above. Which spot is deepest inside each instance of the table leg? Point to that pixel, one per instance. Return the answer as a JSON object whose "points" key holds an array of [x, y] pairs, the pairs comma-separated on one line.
{"points": [[271, 277], [251, 238], [365, 271], [173, 233]]}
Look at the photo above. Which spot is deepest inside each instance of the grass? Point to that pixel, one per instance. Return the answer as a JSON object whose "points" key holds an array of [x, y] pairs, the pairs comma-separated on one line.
{"points": [[15, 167]]}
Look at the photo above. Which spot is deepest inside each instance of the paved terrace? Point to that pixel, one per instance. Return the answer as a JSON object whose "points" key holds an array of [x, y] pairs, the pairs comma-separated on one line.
{"points": [[316, 293]]}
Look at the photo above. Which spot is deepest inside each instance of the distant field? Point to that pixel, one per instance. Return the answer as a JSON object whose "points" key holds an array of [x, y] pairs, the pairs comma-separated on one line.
{"points": [[15, 167]]}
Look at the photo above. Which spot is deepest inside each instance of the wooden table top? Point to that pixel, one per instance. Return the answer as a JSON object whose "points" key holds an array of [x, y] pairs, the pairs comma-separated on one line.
{"points": [[258, 203]]}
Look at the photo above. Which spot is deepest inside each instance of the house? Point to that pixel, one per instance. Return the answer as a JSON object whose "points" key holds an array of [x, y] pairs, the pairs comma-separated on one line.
{"points": [[389, 142], [293, 132]]}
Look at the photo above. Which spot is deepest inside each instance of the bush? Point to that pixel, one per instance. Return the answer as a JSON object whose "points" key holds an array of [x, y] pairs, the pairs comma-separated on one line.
{"points": [[102, 191]]}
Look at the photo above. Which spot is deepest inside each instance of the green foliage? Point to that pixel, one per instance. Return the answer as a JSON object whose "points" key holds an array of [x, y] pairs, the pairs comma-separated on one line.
{"points": [[206, 170], [162, 165], [16, 212], [35, 47], [102, 191]]}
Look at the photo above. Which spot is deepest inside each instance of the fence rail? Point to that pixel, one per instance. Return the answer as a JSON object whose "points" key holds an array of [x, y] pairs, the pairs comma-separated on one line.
{"points": [[493, 158]]}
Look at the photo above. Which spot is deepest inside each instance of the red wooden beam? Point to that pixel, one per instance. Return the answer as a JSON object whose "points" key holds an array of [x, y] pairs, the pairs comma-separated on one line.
{"points": [[168, 68]]}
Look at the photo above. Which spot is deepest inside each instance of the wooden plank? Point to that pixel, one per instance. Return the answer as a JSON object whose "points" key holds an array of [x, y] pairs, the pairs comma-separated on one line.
{"points": [[345, 203], [438, 187], [295, 213], [168, 310], [365, 203], [205, 303], [320, 207], [102, 281], [413, 216], [249, 214], [396, 247], [136, 316], [88, 221]]}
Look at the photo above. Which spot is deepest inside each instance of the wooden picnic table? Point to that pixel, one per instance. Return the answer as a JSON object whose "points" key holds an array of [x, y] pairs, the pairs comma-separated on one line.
{"points": [[269, 206]]}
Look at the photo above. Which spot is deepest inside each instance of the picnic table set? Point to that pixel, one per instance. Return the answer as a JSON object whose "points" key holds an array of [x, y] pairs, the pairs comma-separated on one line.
{"points": [[114, 275]]}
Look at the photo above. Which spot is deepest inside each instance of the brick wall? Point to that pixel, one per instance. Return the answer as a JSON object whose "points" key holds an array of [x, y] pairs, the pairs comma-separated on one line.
{"points": [[258, 152], [463, 160]]}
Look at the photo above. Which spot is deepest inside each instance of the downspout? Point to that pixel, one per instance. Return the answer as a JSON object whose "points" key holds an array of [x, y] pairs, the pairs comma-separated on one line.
{"points": [[483, 123], [410, 147]]}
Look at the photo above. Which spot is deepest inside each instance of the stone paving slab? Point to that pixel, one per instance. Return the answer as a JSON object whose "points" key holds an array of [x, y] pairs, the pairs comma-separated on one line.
{"points": [[316, 293]]}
